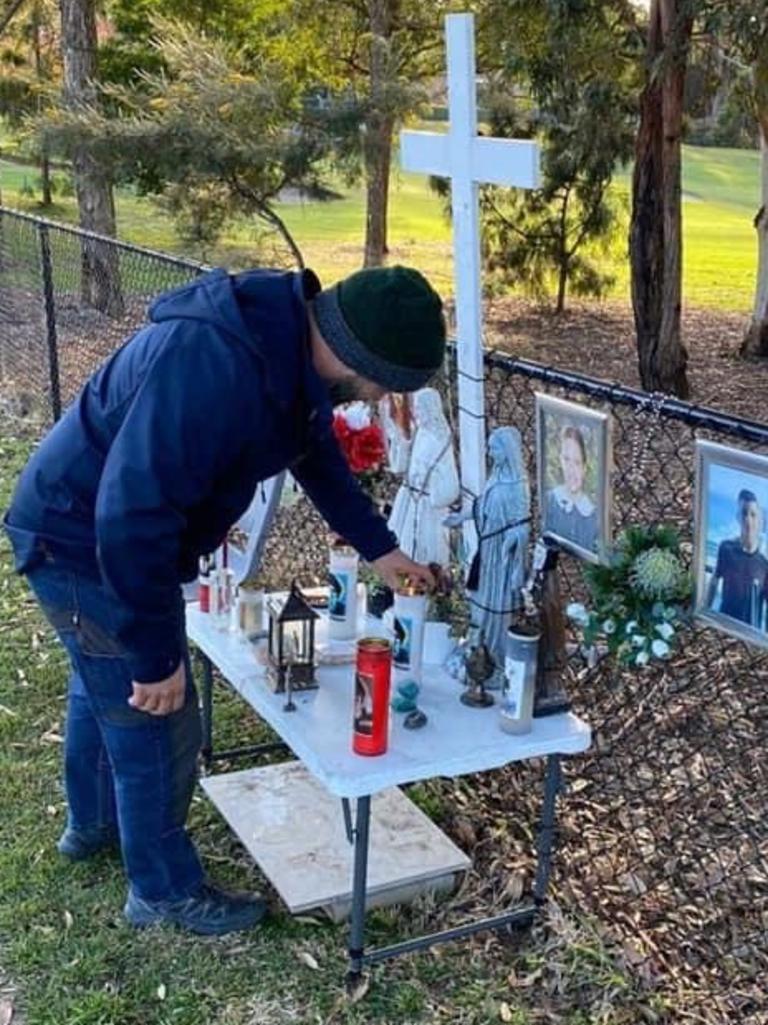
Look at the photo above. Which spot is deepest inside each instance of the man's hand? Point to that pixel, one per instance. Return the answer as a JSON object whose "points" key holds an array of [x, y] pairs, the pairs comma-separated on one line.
{"points": [[393, 566], [163, 697]]}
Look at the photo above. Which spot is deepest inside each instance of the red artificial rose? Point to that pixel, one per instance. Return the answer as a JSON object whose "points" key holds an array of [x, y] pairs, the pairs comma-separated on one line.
{"points": [[366, 449], [341, 428], [363, 447]]}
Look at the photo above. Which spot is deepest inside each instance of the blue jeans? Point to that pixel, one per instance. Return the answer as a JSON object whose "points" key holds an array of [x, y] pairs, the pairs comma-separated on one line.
{"points": [[124, 769]]}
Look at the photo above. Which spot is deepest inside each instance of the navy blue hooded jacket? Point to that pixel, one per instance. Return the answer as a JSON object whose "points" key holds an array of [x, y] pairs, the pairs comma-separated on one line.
{"points": [[162, 451]]}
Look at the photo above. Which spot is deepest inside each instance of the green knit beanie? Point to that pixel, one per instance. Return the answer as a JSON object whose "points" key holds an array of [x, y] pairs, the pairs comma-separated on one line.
{"points": [[385, 323]]}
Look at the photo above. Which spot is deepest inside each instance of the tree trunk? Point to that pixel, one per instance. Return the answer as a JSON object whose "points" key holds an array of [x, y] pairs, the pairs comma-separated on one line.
{"points": [[45, 164], [656, 228], [562, 283], [379, 126], [100, 270], [755, 341], [378, 156], [564, 258]]}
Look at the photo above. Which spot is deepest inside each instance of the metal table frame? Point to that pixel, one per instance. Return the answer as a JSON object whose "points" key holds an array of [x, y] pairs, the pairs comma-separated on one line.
{"points": [[358, 835]]}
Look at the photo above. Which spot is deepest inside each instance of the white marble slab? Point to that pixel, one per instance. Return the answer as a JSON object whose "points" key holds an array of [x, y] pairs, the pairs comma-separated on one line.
{"points": [[294, 830], [456, 740]]}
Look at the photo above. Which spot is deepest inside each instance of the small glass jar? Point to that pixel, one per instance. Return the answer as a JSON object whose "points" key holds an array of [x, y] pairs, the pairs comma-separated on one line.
{"points": [[249, 613]]}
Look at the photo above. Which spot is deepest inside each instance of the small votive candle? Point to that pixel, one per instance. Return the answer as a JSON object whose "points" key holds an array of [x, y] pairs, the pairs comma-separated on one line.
{"points": [[250, 612]]}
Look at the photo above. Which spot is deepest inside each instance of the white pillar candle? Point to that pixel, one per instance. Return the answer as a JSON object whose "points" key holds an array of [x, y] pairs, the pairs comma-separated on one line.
{"points": [[409, 614], [342, 595], [516, 712]]}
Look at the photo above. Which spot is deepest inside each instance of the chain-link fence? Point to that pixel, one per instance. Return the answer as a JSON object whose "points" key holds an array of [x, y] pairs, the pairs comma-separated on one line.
{"points": [[67, 300], [664, 834], [666, 819]]}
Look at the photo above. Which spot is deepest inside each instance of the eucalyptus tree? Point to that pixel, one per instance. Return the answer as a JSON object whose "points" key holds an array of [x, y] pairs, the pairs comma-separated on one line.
{"points": [[100, 273]]}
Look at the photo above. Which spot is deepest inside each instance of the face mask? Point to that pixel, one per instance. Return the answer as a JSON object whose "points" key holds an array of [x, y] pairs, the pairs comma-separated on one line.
{"points": [[343, 390]]}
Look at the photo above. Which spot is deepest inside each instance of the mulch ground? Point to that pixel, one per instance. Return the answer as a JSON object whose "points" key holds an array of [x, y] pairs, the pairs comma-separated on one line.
{"points": [[599, 340]]}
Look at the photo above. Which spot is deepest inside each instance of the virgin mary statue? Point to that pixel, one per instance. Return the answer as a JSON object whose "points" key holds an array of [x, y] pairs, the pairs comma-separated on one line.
{"points": [[431, 484], [502, 516]]}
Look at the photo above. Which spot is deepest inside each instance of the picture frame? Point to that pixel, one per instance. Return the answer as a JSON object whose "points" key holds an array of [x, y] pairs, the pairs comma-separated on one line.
{"points": [[574, 460], [730, 562]]}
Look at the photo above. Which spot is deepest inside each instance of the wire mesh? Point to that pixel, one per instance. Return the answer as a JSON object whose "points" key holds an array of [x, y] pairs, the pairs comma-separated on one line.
{"points": [[68, 299], [664, 824], [663, 835]]}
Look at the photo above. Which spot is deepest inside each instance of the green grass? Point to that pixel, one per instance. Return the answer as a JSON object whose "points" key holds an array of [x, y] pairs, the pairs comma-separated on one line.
{"points": [[74, 961], [721, 190]]}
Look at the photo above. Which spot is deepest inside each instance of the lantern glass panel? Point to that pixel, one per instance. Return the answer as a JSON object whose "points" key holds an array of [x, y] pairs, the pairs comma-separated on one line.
{"points": [[274, 609], [295, 641]]}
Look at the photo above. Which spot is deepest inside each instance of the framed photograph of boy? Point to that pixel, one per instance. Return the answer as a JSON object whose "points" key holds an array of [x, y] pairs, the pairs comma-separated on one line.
{"points": [[731, 550], [573, 448]]}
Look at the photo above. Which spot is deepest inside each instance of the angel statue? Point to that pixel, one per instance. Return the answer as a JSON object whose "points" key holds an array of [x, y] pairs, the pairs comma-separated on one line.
{"points": [[431, 484], [502, 516]]}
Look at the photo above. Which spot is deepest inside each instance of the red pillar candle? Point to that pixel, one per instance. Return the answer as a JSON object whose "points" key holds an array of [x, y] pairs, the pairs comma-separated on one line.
{"points": [[373, 673]]}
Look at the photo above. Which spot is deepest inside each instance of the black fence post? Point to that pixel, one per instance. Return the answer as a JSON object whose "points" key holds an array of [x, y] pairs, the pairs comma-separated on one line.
{"points": [[50, 320]]}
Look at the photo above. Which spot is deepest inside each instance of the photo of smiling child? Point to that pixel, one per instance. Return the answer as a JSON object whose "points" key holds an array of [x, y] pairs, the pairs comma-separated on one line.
{"points": [[573, 457]]}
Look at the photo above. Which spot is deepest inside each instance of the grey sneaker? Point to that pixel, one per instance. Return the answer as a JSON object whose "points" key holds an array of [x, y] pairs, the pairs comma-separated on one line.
{"points": [[79, 844], [209, 911]]}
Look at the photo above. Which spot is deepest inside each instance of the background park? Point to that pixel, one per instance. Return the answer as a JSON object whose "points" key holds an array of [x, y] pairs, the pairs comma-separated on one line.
{"points": [[241, 133]]}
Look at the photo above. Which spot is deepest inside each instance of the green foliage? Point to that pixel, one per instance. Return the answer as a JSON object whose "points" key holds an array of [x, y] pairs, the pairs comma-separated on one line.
{"points": [[215, 140], [130, 50], [371, 78], [566, 78], [638, 601]]}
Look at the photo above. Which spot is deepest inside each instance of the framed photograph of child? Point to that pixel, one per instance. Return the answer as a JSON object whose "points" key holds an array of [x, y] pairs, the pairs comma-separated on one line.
{"points": [[573, 449], [731, 545]]}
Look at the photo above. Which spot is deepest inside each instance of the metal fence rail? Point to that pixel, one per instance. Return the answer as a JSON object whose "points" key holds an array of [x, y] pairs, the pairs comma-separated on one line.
{"points": [[664, 825]]}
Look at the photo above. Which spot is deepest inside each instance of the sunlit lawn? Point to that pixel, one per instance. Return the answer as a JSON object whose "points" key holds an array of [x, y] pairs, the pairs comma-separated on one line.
{"points": [[721, 189]]}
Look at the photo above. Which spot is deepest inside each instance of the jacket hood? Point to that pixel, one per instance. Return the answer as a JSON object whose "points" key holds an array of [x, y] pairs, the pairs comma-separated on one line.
{"points": [[210, 298]]}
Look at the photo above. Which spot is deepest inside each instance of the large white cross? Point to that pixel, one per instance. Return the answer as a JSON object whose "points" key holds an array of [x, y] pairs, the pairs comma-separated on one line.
{"points": [[468, 160]]}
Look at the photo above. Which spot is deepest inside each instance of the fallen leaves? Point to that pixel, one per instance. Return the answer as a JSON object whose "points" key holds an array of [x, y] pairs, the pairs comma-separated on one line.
{"points": [[308, 959]]}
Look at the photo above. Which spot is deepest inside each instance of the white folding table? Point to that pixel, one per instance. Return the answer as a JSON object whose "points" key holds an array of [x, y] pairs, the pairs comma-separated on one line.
{"points": [[456, 740]]}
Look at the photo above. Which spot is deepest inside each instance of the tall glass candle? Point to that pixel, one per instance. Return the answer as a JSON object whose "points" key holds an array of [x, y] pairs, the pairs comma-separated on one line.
{"points": [[409, 612], [342, 595], [521, 655]]}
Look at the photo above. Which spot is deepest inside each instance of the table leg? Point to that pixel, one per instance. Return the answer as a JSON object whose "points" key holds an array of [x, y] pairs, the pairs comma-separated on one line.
{"points": [[359, 877], [545, 841], [207, 711]]}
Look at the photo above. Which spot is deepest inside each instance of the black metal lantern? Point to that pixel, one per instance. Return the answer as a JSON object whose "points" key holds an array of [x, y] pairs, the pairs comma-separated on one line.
{"points": [[291, 644]]}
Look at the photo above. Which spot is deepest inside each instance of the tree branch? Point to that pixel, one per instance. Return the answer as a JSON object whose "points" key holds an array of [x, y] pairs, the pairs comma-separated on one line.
{"points": [[265, 211], [9, 13]]}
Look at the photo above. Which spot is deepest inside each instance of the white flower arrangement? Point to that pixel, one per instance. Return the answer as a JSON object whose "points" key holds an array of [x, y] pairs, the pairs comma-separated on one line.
{"points": [[639, 600]]}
